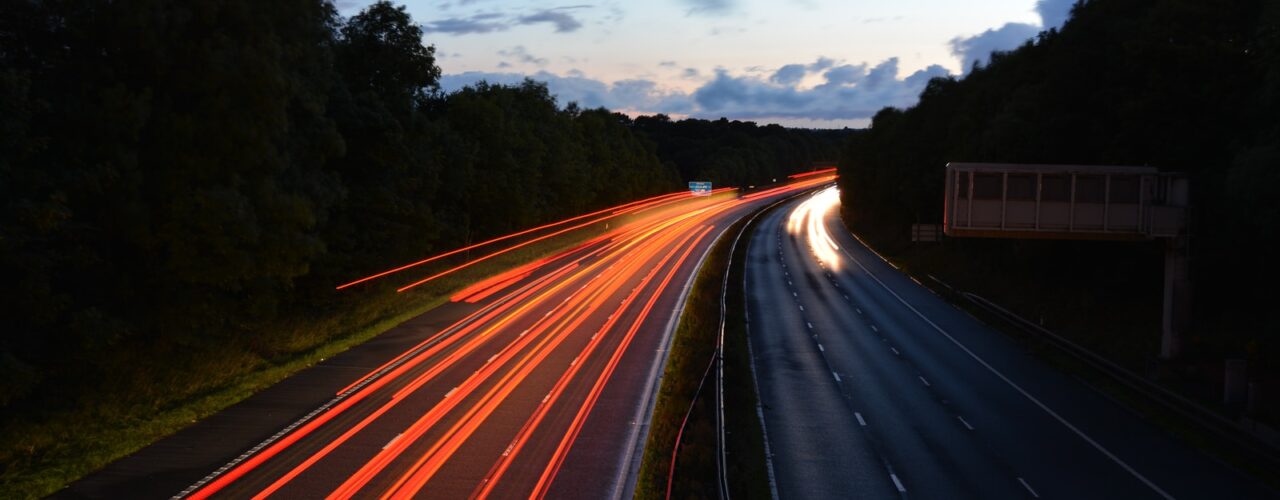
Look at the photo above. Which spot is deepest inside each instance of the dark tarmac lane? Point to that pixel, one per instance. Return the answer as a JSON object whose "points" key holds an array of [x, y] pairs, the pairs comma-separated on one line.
{"points": [[873, 387]]}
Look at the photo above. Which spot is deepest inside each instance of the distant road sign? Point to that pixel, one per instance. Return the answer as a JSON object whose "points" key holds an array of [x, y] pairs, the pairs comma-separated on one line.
{"points": [[700, 188]]}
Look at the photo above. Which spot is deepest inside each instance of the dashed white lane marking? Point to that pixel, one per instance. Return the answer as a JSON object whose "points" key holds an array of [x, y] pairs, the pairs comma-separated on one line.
{"points": [[793, 294], [836, 375], [846, 297], [1028, 487], [801, 307], [1096, 445], [860, 420], [926, 382], [808, 324], [874, 329], [821, 349], [895, 352], [859, 310], [965, 422], [897, 483]]}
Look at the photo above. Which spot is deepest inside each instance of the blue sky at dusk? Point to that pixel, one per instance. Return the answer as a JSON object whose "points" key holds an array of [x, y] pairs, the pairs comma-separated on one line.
{"points": [[808, 63]]}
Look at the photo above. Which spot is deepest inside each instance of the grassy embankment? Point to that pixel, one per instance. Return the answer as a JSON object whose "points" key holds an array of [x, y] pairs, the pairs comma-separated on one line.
{"points": [[45, 450], [691, 352]]}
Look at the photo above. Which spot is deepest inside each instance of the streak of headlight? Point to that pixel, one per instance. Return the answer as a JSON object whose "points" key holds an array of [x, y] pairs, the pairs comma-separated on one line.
{"points": [[810, 216]]}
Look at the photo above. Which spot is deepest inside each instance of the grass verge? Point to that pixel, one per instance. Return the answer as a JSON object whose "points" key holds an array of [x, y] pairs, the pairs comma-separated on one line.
{"points": [[691, 353]]}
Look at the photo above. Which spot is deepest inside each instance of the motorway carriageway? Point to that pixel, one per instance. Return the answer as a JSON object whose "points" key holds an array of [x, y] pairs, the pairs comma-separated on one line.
{"points": [[544, 390], [873, 387]]}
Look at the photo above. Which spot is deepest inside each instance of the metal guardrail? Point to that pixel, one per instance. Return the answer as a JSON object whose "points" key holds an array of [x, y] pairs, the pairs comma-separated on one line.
{"points": [[717, 361], [1206, 418]]}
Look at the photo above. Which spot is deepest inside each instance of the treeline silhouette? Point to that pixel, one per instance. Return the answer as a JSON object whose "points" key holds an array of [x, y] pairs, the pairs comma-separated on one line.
{"points": [[182, 183], [1182, 85]]}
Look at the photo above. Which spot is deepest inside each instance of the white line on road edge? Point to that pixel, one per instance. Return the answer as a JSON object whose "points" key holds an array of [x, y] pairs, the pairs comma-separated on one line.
{"points": [[860, 420], [965, 422], [897, 483], [624, 481], [1006, 380], [1028, 487]]}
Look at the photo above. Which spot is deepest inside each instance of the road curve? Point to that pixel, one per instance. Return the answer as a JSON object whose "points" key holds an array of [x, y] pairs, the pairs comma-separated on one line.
{"points": [[873, 387]]}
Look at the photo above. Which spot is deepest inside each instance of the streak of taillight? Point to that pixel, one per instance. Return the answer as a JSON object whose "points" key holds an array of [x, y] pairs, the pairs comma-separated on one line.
{"points": [[266, 454], [507, 237], [584, 410], [429, 463], [808, 174], [372, 468]]}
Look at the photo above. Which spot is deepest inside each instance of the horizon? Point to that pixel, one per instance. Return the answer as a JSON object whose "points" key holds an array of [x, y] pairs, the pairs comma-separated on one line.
{"points": [[736, 59]]}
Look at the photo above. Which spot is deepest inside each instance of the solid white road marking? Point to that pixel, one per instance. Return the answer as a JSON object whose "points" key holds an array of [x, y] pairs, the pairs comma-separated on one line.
{"points": [[1001, 376], [897, 483], [860, 420], [1028, 487]]}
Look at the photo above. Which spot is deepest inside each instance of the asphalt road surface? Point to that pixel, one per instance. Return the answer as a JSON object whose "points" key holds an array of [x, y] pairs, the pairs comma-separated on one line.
{"points": [[533, 384], [873, 387]]}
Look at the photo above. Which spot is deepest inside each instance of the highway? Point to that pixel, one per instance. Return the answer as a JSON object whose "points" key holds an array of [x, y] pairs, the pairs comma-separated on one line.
{"points": [[873, 387], [542, 387]]}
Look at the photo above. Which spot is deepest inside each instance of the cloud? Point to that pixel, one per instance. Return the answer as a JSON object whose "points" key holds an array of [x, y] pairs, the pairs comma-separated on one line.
{"points": [[709, 7], [846, 74], [1054, 13], [821, 64], [563, 22], [790, 74], [520, 54], [851, 92], [479, 23], [489, 22], [978, 48]]}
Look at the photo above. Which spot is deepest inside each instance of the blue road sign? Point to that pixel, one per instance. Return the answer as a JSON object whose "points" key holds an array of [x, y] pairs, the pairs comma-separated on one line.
{"points": [[700, 188]]}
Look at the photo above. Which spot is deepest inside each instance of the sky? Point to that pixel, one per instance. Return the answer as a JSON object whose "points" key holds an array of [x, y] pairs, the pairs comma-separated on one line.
{"points": [[798, 63]]}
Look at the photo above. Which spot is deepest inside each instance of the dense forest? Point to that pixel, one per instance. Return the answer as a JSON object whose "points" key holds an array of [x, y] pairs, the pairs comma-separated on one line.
{"points": [[1182, 85], [183, 183]]}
